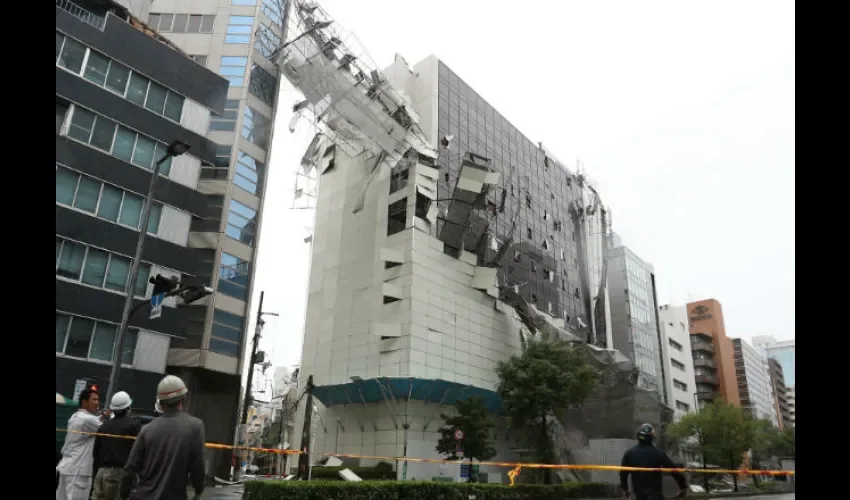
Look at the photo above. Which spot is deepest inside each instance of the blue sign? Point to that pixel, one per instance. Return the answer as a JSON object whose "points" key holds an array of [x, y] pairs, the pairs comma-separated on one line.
{"points": [[464, 470], [156, 305]]}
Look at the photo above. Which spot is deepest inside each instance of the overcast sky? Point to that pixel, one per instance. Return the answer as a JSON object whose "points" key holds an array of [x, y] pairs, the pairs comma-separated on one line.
{"points": [[681, 112]]}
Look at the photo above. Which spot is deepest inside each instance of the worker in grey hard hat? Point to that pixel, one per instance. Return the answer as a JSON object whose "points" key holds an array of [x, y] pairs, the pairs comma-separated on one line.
{"points": [[169, 450], [111, 453]]}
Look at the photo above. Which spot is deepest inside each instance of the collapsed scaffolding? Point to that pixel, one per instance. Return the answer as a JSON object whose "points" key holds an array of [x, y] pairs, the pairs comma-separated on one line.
{"points": [[358, 113]]}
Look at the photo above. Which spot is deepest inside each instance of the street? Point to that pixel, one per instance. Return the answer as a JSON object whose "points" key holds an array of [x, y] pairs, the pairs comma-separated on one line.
{"points": [[235, 493]]}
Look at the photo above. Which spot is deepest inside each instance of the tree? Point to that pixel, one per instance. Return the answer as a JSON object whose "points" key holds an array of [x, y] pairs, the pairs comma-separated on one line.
{"points": [[765, 440], [473, 420], [724, 433], [547, 378], [691, 428]]}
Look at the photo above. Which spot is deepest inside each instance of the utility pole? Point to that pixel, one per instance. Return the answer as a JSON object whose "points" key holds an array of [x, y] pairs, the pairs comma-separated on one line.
{"points": [[306, 434], [258, 328]]}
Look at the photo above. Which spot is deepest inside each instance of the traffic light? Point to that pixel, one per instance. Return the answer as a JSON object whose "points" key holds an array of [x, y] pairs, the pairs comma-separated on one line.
{"points": [[194, 293], [162, 284]]}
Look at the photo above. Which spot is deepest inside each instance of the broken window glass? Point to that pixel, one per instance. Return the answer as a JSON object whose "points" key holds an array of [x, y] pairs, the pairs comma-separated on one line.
{"points": [[399, 179], [422, 206]]}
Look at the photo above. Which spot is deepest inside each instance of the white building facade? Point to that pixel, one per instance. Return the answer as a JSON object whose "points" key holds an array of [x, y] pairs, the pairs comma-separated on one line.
{"points": [[754, 385], [677, 358]]}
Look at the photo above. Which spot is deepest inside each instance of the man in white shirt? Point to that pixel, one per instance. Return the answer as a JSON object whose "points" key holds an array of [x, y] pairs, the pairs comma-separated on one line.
{"points": [[75, 468]]}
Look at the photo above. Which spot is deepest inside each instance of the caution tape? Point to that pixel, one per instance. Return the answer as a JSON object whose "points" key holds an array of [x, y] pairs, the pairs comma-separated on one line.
{"points": [[515, 466]]}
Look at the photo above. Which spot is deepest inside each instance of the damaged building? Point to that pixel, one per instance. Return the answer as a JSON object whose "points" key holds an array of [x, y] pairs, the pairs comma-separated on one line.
{"points": [[443, 239]]}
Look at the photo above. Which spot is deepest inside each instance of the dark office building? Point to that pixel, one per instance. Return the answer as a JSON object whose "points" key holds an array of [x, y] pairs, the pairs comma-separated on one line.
{"points": [[123, 93]]}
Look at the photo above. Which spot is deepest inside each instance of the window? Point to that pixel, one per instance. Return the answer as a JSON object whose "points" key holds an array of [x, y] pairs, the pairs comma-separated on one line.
{"points": [[97, 268], [256, 127], [89, 339], [103, 200], [680, 385], [267, 41], [227, 120], [233, 69], [249, 173], [677, 365], [239, 29], [241, 223], [202, 60], [233, 276], [397, 217], [263, 85], [675, 345], [226, 337], [274, 10], [71, 55], [123, 143], [682, 406], [115, 77], [182, 23], [221, 168], [61, 111]]}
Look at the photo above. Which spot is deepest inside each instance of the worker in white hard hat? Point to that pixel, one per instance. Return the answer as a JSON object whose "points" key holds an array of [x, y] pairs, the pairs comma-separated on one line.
{"points": [[75, 467], [169, 451], [111, 453]]}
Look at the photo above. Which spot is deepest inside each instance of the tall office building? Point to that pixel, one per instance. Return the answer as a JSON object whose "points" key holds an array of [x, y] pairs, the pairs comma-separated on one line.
{"points": [[754, 387], [784, 352], [238, 39], [677, 358], [634, 315], [403, 315], [713, 352], [123, 93], [780, 393]]}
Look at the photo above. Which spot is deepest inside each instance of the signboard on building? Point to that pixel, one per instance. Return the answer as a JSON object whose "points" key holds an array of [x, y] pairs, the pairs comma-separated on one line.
{"points": [[700, 313]]}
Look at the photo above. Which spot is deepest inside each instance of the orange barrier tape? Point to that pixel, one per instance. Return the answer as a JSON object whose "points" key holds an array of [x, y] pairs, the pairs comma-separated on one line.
{"points": [[516, 466]]}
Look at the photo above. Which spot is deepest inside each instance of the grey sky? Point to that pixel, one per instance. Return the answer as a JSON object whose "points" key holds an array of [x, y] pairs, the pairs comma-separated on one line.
{"points": [[681, 112]]}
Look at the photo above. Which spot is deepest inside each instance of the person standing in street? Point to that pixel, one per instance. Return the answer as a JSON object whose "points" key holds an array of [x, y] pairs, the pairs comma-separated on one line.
{"points": [[111, 453], [168, 452], [648, 485], [76, 466]]}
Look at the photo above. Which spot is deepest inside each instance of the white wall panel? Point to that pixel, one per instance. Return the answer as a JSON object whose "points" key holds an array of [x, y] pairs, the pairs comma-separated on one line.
{"points": [[185, 169], [195, 117], [174, 225], [151, 352]]}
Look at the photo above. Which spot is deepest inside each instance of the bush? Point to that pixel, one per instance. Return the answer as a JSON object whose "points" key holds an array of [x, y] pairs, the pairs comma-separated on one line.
{"points": [[408, 490]]}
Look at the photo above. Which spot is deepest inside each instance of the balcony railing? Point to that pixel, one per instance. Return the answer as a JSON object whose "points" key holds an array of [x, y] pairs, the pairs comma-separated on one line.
{"points": [[702, 346], [706, 395], [704, 363], [81, 14], [706, 379]]}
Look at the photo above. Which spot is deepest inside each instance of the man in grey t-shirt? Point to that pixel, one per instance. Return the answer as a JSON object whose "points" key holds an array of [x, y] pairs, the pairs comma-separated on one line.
{"points": [[168, 451]]}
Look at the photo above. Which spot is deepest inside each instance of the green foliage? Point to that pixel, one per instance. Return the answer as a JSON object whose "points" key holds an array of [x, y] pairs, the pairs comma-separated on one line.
{"points": [[722, 431], [785, 444], [548, 377], [408, 490], [473, 420]]}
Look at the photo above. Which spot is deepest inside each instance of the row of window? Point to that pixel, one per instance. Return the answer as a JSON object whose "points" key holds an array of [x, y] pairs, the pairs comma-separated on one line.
{"points": [[233, 68], [103, 200], [256, 127], [226, 335], [267, 41], [262, 85], [677, 365], [181, 23], [233, 276], [680, 385], [89, 339], [241, 223], [117, 140], [115, 77], [239, 29], [97, 268], [249, 171], [272, 8]]}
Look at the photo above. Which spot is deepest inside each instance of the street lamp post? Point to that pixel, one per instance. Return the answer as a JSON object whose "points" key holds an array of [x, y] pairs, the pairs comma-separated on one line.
{"points": [[176, 148]]}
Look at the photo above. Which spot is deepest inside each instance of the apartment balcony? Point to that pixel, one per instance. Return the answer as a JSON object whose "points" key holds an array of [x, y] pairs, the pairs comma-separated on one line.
{"points": [[706, 379], [82, 14], [705, 363], [701, 346], [706, 395]]}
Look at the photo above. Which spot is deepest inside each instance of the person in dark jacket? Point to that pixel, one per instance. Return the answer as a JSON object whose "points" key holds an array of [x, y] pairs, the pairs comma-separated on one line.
{"points": [[647, 485], [111, 454], [169, 451]]}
